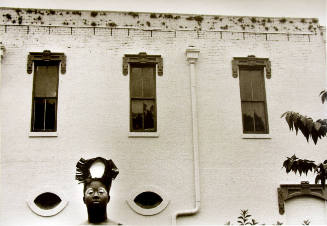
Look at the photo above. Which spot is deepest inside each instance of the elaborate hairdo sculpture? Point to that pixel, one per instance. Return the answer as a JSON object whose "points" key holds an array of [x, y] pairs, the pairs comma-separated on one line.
{"points": [[83, 174]]}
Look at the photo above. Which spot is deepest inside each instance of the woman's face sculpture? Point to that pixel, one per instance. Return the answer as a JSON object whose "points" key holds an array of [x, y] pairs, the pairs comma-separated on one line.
{"points": [[96, 194]]}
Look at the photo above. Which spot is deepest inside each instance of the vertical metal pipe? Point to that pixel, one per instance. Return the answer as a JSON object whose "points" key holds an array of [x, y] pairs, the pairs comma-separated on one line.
{"points": [[192, 55]]}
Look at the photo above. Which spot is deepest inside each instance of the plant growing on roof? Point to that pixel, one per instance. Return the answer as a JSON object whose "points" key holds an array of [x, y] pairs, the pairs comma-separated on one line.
{"points": [[282, 20], [153, 15], [94, 14], [133, 14]]}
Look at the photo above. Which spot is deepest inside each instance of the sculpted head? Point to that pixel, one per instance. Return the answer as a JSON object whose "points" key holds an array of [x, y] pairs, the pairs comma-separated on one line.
{"points": [[96, 193], [96, 188]]}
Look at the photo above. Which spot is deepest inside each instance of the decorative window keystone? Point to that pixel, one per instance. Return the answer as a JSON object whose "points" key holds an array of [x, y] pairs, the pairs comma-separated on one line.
{"points": [[46, 56], [142, 58], [288, 191], [251, 61]]}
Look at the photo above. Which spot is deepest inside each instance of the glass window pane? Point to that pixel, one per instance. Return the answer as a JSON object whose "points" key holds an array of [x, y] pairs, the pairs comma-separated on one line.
{"points": [[136, 82], [149, 114], [39, 105], [258, 85], [46, 81], [148, 82], [247, 114], [245, 85], [259, 116], [137, 114], [50, 114]]}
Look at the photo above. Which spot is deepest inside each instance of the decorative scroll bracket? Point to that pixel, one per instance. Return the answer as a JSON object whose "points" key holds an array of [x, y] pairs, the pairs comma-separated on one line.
{"points": [[288, 191], [46, 55], [142, 58], [251, 61]]}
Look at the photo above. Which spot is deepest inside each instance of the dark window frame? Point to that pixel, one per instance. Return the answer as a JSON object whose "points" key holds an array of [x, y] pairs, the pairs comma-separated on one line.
{"points": [[143, 60], [44, 99], [43, 59], [251, 102], [154, 98], [253, 63]]}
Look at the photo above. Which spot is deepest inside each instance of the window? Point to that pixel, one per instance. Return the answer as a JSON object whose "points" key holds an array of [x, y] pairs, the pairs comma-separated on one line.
{"points": [[253, 100], [143, 98], [45, 96], [45, 89], [252, 91], [143, 103]]}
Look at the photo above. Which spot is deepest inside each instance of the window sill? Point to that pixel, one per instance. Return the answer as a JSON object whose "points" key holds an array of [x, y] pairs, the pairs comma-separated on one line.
{"points": [[43, 134], [143, 134], [256, 136]]}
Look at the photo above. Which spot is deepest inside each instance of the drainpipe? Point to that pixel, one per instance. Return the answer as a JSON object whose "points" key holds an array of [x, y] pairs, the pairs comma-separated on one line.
{"points": [[192, 55], [2, 50]]}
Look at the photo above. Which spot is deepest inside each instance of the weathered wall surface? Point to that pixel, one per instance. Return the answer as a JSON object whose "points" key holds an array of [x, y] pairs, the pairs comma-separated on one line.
{"points": [[93, 112]]}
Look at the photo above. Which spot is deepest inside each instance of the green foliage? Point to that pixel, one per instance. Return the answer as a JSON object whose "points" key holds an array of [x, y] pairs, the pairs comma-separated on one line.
{"points": [[306, 125], [153, 15], [20, 20], [306, 222], [8, 16], [282, 20], [314, 20], [168, 16], [199, 19], [112, 24], [77, 13], [94, 14], [295, 165], [309, 128], [244, 218], [253, 20], [133, 14], [323, 95]]}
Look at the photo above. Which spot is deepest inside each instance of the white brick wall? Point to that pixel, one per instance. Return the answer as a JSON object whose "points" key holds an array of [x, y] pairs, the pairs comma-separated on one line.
{"points": [[93, 116]]}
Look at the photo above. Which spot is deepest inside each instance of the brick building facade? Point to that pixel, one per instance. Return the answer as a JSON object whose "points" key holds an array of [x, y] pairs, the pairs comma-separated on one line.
{"points": [[199, 149]]}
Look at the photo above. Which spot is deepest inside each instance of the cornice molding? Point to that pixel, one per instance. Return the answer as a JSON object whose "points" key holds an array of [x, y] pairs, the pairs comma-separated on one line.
{"points": [[142, 58], [46, 55], [251, 61]]}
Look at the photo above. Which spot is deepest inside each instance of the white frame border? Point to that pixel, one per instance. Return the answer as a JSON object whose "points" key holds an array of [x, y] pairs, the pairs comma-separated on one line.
{"points": [[46, 213], [148, 212]]}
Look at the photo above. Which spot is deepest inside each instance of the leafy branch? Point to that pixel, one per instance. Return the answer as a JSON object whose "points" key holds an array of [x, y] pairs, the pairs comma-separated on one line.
{"points": [[306, 125], [295, 165]]}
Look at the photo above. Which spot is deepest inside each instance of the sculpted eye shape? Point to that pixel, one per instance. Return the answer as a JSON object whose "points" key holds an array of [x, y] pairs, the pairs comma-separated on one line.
{"points": [[89, 191], [47, 200], [102, 191], [148, 200]]}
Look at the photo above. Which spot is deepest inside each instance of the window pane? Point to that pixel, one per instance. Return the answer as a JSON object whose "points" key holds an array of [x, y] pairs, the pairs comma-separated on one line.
{"points": [[245, 85], [247, 114], [258, 85], [136, 82], [50, 115], [137, 115], [259, 116], [46, 81], [149, 114], [39, 105], [148, 82]]}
